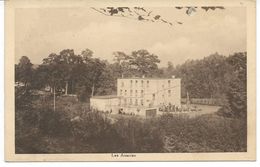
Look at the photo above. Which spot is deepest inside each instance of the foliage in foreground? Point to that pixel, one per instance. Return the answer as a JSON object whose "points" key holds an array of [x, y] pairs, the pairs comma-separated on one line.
{"points": [[41, 130]]}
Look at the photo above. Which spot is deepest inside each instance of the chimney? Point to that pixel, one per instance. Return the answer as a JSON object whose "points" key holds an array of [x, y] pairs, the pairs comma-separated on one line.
{"points": [[173, 76], [143, 76]]}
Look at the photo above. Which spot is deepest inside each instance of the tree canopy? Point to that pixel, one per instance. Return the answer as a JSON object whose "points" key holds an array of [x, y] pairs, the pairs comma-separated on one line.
{"points": [[24, 71], [215, 76], [148, 15]]}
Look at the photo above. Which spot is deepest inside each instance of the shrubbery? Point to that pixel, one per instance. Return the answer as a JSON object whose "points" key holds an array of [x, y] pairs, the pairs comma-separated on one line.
{"points": [[207, 133], [93, 132], [71, 128]]}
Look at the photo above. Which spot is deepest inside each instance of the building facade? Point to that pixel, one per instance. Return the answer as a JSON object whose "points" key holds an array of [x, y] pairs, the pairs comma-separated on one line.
{"points": [[144, 96], [140, 96]]}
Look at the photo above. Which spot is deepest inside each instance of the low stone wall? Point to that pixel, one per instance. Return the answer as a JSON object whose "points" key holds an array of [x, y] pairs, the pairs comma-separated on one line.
{"points": [[204, 101]]}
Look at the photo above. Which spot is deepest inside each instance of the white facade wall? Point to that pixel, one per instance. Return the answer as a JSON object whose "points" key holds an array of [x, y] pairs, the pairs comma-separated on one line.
{"points": [[105, 104], [139, 94]]}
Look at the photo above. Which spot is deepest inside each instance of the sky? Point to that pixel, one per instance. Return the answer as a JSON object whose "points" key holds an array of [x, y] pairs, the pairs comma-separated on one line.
{"points": [[41, 31]]}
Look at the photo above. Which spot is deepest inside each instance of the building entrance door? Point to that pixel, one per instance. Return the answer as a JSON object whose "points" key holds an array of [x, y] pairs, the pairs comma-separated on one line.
{"points": [[150, 113]]}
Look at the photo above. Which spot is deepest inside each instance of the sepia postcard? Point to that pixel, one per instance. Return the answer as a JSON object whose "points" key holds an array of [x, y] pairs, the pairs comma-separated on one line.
{"points": [[130, 80]]}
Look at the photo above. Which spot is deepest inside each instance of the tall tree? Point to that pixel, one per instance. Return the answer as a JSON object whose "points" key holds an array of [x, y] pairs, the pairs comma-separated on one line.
{"points": [[143, 63], [24, 71], [237, 90], [87, 54], [121, 66]]}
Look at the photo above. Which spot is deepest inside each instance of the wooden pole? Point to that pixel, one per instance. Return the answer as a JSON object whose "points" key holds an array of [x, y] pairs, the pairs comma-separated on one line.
{"points": [[66, 88], [92, 93], [54, 100]]}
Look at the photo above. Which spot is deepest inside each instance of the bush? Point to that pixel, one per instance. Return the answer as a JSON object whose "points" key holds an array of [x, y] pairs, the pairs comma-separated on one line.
{"points": [[208, 133], [54, 123], [83, 93], [139, 136], [95, 129], [40, 130]]}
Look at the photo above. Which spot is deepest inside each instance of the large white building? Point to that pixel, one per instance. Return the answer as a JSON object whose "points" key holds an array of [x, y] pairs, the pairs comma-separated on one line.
{"points": [[142, 96]]}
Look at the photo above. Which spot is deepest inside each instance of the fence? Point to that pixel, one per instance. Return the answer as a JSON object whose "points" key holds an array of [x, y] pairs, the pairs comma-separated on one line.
{"points": [[204, 101]]}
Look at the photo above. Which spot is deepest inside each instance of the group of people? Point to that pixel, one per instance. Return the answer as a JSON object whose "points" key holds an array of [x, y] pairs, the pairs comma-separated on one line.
{"points": [[121, 111], [174, 108]]}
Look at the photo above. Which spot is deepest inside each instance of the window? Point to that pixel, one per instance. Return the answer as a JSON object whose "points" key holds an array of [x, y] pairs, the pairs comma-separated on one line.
{"points": [[125, 102], [142, 102], [131, 101], [121, 92], [147, 84], [142, 93], [122, 84], [136, 93], [153, 96], [142, 83], [136, 102], [131, 92], [136, 82], [125, 92], [131, 83], [169, 93], [169, 83]]}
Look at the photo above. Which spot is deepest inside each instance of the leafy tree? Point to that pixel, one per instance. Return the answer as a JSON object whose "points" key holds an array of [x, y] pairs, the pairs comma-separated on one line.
{"points": [[108, 79], [138, 63], [90, 77], [24, 71], [237, 90], [87, 54], [121, 67], [55, 72], [144, 14], [143, 62], [65, 66], [205, 78]]}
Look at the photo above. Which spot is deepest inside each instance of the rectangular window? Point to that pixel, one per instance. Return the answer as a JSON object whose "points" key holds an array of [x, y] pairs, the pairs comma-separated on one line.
{"points": [[131, 102], [125, 101], [153, 96], [131, 92], [169, 93], [142, 93], [142, 102], [136, 82], [169, 83], [125, 92], [142, 83], [136, 93], [136, 102], [147, 84], [122, 84], [121, 92], [131, 83]]}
